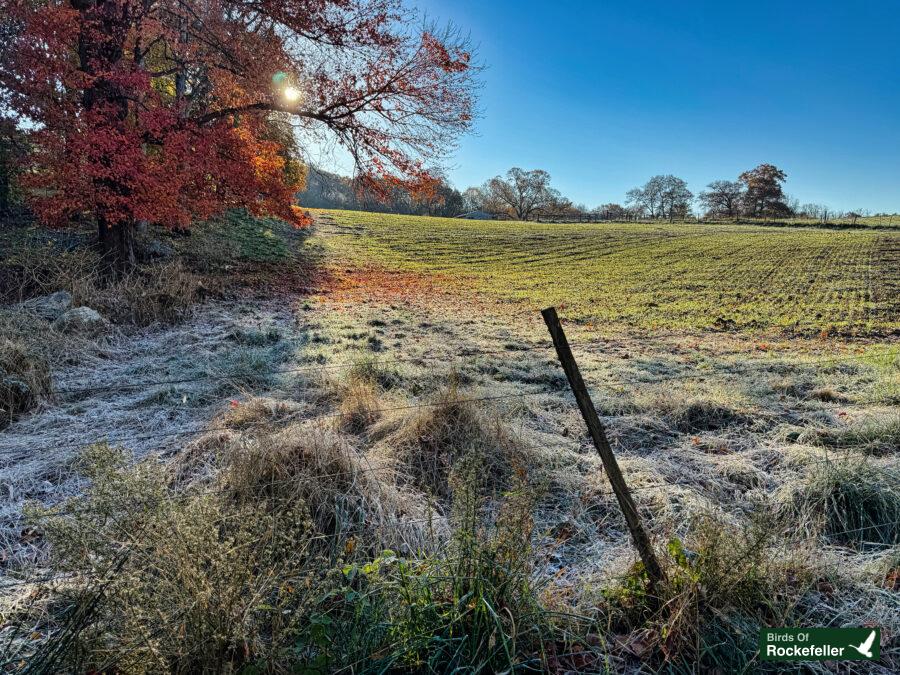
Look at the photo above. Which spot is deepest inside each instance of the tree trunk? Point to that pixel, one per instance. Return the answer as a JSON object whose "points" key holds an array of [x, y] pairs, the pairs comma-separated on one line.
{"points": [[101, 45], [116, 244]]}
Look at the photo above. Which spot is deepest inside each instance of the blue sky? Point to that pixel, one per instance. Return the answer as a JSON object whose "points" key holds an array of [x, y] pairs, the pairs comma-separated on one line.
{"points": [[605, 94]]}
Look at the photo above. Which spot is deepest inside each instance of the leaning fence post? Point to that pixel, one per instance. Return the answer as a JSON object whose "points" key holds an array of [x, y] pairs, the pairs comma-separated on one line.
{"points": [[598, 435]]}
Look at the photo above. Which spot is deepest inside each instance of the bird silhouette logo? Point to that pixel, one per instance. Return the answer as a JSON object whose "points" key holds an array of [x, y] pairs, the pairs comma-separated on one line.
{"points": [[866, 647]]}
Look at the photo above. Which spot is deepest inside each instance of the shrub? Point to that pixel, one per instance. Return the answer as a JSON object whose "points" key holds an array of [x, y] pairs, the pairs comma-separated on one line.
{"points": [[471, 609], [160, 292], [40, 267], [722, 586], [193, 583]]}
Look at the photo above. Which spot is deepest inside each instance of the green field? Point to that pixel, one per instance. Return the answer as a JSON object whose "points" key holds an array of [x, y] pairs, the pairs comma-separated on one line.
{"points": [[678, 276]]}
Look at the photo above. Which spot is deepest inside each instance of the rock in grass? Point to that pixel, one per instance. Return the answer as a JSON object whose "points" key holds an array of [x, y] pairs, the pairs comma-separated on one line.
{"points": [[49, 307], [82, 321]]}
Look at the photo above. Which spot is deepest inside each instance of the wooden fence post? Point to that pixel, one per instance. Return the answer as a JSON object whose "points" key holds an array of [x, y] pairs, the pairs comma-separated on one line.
{"points": [[598, 435]]}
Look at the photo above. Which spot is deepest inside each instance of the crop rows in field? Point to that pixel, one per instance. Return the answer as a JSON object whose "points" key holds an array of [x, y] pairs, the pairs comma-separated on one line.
{"points": [[677, 276]]}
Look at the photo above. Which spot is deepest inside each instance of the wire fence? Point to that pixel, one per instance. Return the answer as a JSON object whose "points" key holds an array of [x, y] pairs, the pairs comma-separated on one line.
{"points": [[595, 349], [760, 366], [732, 369]]}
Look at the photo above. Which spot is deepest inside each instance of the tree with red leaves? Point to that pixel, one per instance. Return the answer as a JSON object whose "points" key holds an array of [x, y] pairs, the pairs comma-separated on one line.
{"points": [[161, 110]]}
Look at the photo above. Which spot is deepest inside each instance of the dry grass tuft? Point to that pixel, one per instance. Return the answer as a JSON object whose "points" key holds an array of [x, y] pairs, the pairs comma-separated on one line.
{"points": [[24, 380], [259, 412], [199, 458], [154, 293], [873, 435], [376, 373], [851, 502], [792, 386], [827, 395], [692, 412], [703, 415], [359, 407], [316, 465], [430, 441], [359, 396]]}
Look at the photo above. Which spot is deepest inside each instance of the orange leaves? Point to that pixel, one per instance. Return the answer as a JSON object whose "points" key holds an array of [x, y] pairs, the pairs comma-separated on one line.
{"points": [[300, 218]]}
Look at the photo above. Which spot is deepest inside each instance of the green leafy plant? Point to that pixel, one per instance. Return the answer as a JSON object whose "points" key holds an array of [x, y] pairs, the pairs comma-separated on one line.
{"points": [[719, 591]]}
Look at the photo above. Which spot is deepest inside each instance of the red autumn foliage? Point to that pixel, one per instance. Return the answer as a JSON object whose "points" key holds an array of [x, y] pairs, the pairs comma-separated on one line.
{"points": [[157, 110]]}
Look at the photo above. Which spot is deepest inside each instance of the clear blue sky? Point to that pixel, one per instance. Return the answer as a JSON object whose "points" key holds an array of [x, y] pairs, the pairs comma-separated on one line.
{"points": [[605, 94]]}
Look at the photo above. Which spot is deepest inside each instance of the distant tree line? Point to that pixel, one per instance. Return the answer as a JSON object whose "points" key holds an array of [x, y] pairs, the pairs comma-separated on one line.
{"points": [[326, 190], [528, 195]]}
